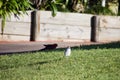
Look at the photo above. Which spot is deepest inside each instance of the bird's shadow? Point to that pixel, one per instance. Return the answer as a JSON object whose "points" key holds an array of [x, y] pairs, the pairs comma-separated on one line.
{"points": [[49, 47]]}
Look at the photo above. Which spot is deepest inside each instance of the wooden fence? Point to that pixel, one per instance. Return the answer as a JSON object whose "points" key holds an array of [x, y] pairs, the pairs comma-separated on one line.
{"points": [[63, 27]]}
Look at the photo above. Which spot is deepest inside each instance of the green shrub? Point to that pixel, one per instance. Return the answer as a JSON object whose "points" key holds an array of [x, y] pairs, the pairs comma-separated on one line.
{"points": [[7, 7]]}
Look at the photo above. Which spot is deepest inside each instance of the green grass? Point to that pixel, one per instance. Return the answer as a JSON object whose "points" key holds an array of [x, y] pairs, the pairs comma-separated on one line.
{"points": [[83, 64]]}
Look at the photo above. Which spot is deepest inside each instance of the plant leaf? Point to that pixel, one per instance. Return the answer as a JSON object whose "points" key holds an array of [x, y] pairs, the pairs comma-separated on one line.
{"points": [[54, 8], [1, 3]]}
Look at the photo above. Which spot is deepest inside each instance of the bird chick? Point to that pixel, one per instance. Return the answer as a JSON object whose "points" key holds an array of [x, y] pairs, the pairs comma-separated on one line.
{"points": [[67, 51]]}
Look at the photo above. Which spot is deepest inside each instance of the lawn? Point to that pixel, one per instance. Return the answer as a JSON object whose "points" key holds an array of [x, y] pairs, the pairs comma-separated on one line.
{"points": [[85, 63]]}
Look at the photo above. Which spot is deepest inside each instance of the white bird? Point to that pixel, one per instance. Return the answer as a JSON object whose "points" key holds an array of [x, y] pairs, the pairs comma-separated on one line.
{"points": [[67, 51]]}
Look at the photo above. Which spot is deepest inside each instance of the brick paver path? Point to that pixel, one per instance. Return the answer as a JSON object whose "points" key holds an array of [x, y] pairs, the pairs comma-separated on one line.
{"points": [[16, 47]]}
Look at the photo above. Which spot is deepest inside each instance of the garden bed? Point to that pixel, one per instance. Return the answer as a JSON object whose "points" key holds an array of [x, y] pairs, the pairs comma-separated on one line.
{"points": [[62, 27]]}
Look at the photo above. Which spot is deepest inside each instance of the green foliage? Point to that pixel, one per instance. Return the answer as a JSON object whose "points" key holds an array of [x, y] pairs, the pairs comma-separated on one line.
{"points": [[87, 6], [96, 8], [8, 7], [113, 1], [61, 5], [54, 6], [99, 10]]}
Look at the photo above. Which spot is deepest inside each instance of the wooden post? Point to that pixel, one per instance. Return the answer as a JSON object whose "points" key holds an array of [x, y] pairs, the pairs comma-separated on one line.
{"points": [[35, 25], [94, 29]]}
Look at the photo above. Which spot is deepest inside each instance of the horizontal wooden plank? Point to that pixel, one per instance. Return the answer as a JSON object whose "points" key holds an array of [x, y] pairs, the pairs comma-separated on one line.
{"points": [[14, 38], [66, 18], [108, 34], [17, 28], [109, 21], [64, 32], [60, 18]]}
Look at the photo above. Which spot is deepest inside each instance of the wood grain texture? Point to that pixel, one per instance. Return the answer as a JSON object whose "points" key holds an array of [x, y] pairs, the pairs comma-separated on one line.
{"points": [[8, 37], [64, 32], [17, 28], [109, 28], [109, 21], [109, 34], [66, 18]]}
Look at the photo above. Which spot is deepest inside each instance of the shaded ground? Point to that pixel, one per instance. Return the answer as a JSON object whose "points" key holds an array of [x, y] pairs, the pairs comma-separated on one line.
{"points": [[18, 47]]}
